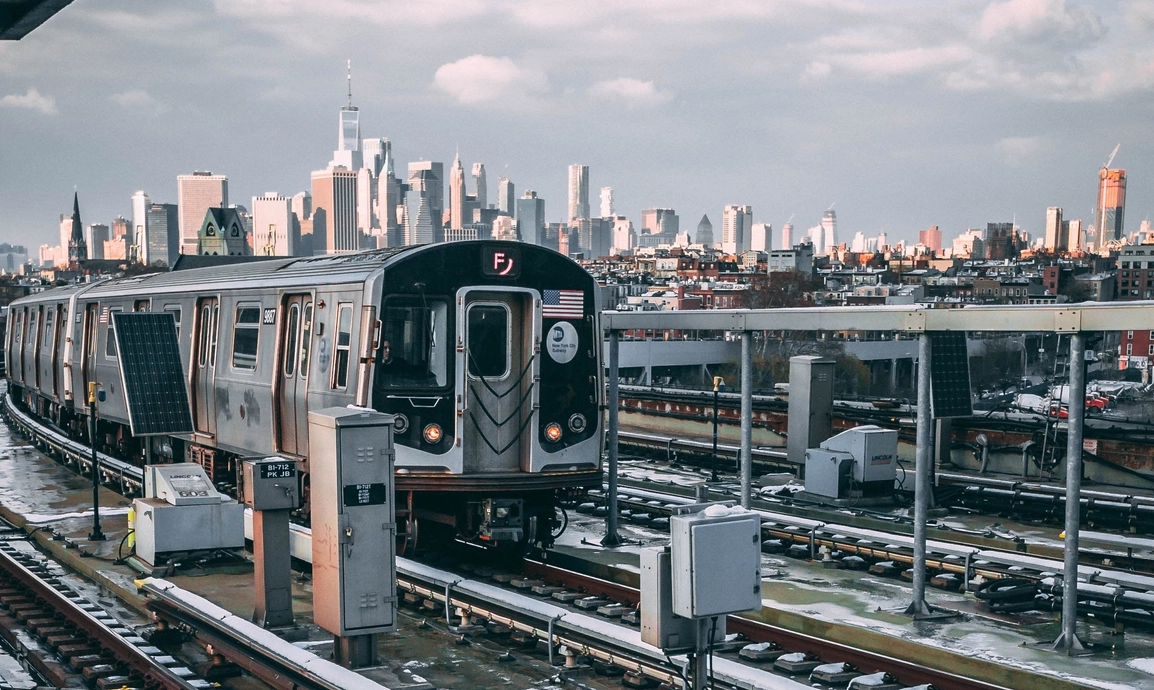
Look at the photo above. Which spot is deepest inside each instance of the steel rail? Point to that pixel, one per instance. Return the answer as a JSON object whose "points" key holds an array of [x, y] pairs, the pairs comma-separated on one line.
{"points": [[152, 672], [910, 673], [258, 651]]}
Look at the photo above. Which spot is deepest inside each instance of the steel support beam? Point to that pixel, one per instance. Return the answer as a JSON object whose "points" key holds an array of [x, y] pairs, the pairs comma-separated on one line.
{"points": [[611, 537], [746, 418], [1068, 642], [922, 489]]}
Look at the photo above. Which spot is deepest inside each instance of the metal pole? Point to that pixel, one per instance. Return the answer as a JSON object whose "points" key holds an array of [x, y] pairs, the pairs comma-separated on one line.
{"points": [[746, 417], [611, 537], [713, 474], [701, 656], [1068, 641], [97, 534], [923, 459]]}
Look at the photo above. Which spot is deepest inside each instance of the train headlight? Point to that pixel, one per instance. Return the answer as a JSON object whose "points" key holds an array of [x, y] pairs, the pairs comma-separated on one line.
{"points": [[400, 423], [433, 433], [553, 432], [577, 423]]}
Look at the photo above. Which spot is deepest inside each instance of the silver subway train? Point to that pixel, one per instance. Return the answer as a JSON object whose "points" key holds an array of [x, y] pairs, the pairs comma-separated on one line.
{"points": [[487, 353]]}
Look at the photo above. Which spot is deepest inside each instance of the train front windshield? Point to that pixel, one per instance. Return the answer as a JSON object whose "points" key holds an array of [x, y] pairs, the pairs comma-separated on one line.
{"points": [[414, 350]]}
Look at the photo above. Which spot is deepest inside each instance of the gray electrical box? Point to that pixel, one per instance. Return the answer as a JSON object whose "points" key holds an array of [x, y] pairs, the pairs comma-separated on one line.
{"points": [[353, 523], [659, 626], [810, 418], [716, 561], [829, 473], [182, 511], [271, 484]]}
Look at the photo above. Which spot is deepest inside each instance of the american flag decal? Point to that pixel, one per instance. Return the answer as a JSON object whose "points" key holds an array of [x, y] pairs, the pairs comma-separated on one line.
{"points": [[104, 315], [562, 304]]}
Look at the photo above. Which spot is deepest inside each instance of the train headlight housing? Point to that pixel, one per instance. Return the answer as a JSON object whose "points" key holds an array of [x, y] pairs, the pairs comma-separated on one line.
{"points": [[577, 423], [433, 433], [400, 423], [553, 432]]}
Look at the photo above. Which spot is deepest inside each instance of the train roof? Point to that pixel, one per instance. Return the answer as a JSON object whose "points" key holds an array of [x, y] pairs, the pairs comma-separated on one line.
{"points": [[293, 271]]}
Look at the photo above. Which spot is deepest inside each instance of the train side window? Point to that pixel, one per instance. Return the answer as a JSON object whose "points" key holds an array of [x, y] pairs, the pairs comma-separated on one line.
{"points": [[343, 344], [110, 335], [214, 324], [32, 328], [292, 324], [414, 349], [174, 309], [205, 313], [49, 326], [142, 305], [488, 345], [245, 336], [306, 338]]}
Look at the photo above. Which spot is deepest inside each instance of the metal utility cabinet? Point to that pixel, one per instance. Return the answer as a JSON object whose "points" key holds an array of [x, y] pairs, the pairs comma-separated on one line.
{"points": [[271, 489], [181, 512], [353, 524]]}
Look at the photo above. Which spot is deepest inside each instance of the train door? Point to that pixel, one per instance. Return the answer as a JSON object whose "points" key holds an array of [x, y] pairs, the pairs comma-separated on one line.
{"points": [[293, 374], [498, 380], [204, 365], [57, 324], [45, 352], [88, 368], [34, 335]]}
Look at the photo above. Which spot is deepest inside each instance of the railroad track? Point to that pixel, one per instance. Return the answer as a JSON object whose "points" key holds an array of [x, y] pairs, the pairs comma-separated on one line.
{"points": [[70, 640], [1111, 594], [607, 641]]}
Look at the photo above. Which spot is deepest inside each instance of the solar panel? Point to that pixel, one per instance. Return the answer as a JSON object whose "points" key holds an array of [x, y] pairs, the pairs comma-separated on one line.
{"points": [[151, 374], [949, 375]]}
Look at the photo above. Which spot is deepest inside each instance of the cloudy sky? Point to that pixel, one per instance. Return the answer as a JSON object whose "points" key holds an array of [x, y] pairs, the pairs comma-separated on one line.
{"points": [[906, 114]]}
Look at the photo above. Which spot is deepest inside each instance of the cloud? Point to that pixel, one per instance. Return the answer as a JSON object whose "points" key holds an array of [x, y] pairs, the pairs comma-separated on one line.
{"points": [[1014, 151], [33, 100], [816, 71], [482, 79], [138, 100], [634, 93], [1039, 20]]}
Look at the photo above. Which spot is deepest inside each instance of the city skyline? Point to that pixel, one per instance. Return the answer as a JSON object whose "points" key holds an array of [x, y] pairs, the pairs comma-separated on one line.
{"points": [[987, 111]]}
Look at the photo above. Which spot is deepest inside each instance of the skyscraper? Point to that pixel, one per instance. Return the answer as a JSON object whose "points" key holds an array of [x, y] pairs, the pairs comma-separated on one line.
{"points": [[931, 239], [348, 153], [1111, 206], [761, 239], [735, 228], [705, 232], [480, 186], [787, 236], [506, 196], [425, 202], [378, 155], [1074, 237], [161, 244], [607, 210], [829, 229], [140, 204], [457, 218], [195, 194], [274, 231], [1054, 240], [531, 218], [335, 211], [578, 191], [624, 237], [95, 236]]}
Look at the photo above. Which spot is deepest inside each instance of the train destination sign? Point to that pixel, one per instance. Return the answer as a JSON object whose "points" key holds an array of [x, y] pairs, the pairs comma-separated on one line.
{"points": [[501, 262]]}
